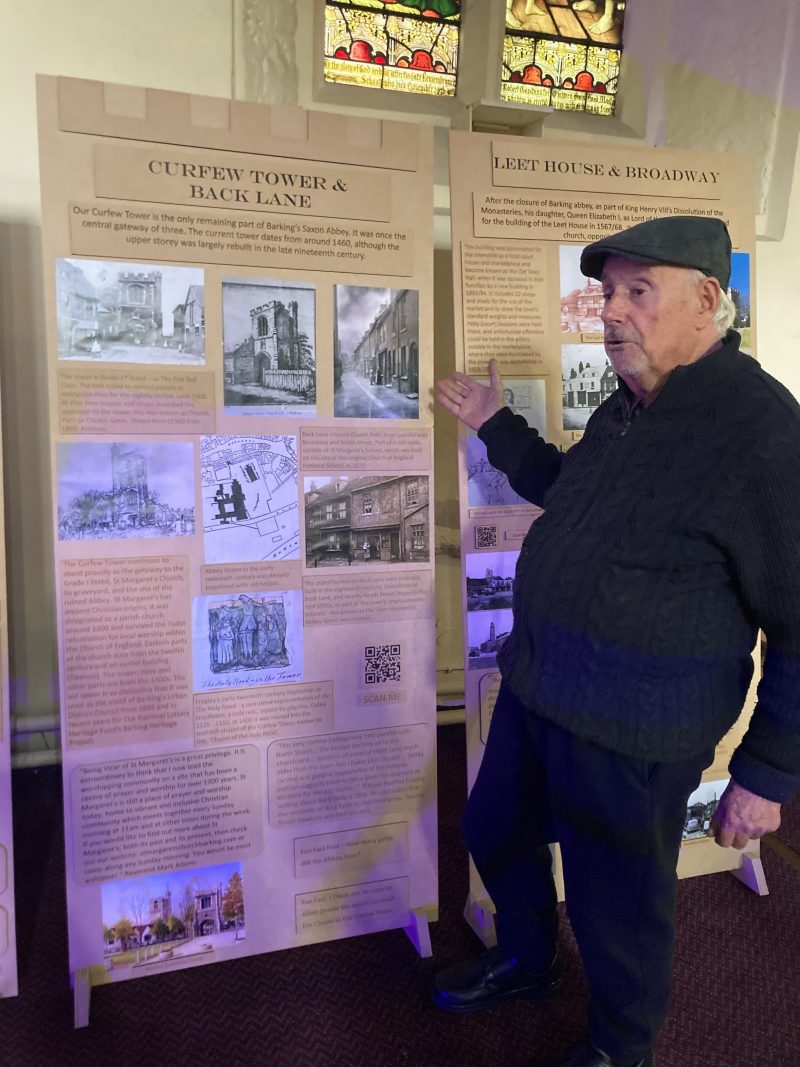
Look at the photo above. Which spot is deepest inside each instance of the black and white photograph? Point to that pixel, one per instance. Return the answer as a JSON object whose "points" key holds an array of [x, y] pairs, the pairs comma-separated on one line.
{"points": [[130, 312], [488, 487], [247, 639], [486, 632], [125, 490], [527, 397], [700, 808], [587, 378], [581, 297], [269, 342], [490, 580], [367, 519], [376, 353]]}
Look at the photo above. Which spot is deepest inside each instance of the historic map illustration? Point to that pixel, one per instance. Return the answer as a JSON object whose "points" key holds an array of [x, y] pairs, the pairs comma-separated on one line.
{"points": [[250, 508]]}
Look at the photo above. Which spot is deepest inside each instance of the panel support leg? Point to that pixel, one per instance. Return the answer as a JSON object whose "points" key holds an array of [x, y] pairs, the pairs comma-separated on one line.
{"points": [[82, 996], [480, 918], [419, 933], [751, 873]]}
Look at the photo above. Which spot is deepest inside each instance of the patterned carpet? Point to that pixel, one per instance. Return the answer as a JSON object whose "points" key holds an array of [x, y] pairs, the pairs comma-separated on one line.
{"points": [[362, 1002]]}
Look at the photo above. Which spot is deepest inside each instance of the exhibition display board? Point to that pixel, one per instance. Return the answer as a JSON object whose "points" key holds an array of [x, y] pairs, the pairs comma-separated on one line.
{"points": [[8, 952], [522, 211], [239, 332]]}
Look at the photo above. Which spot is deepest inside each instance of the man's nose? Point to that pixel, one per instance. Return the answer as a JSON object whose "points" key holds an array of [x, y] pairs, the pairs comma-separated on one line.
{"points": [[613, 309]]}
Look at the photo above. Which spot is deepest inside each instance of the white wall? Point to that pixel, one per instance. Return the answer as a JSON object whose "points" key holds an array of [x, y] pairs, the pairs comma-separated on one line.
{"points": [[777, 275], [168, 44]]}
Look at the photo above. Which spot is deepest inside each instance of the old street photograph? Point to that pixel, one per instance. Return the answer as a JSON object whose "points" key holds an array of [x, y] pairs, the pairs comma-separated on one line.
{"points": [[486, 632], [376, 353], [372, 518], [130, 312], [490, 580], [587, 378]]}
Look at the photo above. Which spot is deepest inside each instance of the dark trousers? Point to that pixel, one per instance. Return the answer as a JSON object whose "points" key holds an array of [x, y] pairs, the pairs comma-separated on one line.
{"points": [[618, 821]]}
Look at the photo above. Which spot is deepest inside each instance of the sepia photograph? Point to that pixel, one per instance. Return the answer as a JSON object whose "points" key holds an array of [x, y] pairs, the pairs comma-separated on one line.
{"points": [[490, 580], [581, 297], [375, 353], [125, 490], [130, 312], [247, 639], [268, 339], [172, 915], [486, 632], [587, 379], [367, 519]]}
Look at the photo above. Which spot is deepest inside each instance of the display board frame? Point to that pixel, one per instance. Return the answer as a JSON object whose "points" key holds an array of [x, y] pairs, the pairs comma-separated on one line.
{"points": [[9, 986], [239, 317], [522, 210]]}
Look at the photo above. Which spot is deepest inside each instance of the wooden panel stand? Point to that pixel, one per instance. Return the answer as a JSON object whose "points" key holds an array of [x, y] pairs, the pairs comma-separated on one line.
{"points": [[82, 994], [751, 873], [85, 978], [480, 917], [419, 933]]}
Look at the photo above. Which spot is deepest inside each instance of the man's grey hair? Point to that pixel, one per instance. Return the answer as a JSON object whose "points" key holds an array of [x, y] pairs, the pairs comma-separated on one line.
{"points": [[726, 312]]}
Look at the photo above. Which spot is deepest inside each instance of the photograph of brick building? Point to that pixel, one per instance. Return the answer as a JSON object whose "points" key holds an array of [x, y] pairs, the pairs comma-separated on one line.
{"points": [[367, 519]]}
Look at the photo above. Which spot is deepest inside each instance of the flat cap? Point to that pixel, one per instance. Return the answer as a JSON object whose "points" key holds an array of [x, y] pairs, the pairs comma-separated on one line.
{"points": [[692, 241]]}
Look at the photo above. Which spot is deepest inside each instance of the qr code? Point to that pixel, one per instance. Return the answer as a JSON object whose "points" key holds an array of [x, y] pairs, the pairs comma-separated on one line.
{"points": [[486, 536], [381, 664]]}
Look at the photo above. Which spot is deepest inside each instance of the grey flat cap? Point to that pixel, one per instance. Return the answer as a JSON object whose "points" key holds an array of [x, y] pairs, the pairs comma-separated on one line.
{"points": [[692, 241]]}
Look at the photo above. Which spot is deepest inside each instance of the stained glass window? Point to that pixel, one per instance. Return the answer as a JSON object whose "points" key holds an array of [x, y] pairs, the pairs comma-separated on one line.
{"points": [[409, 45], [563, 54]]}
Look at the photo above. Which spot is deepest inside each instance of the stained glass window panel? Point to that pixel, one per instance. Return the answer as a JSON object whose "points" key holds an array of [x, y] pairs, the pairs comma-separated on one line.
{"points": [[563, 54], [407, 45]]}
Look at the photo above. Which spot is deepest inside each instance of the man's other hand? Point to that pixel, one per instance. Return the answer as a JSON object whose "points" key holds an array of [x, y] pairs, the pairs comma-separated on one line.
{"points": [[742, 815], [470, 401]]}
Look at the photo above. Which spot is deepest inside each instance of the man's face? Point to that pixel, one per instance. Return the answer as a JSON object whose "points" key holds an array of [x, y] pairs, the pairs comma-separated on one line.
{"points": [[651, 319]]}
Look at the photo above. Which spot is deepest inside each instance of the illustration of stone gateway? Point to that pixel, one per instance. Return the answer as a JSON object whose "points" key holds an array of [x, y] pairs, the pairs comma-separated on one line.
{"points": [[276, 354], [247, 633]]}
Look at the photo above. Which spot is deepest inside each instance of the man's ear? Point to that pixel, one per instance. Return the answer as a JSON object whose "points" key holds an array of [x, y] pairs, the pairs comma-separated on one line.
{"points": [[708, 295]]}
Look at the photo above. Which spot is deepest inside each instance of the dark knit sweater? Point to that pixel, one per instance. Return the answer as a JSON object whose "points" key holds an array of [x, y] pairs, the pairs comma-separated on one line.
{"points": [[670, 534]]}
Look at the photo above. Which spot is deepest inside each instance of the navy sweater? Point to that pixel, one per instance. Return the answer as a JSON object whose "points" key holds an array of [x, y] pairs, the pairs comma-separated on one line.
{"points": [[670, 534]]}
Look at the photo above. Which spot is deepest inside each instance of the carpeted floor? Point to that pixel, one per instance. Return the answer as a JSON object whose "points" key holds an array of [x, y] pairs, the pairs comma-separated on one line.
{"points": [[362, 1002]]}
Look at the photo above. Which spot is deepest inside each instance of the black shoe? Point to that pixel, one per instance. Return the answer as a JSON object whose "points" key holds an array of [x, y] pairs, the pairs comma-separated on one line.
{"points": [[491, 978], [586, 1055]]}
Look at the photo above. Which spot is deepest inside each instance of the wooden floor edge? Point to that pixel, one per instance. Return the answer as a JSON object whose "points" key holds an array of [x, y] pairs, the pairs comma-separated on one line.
{"points": [[783, 850]]}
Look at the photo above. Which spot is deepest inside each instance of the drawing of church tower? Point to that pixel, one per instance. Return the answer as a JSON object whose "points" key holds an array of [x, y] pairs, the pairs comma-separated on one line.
{"points": [[129, 481], [274, 329]]}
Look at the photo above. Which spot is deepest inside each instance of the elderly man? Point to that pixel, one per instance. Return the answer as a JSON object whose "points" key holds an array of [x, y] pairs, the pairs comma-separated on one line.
{"points": [[670, 534]]}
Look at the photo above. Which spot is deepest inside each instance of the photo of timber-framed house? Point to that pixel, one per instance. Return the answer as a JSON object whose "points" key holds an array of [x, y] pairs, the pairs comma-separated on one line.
{"points": [[369, 519]]}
